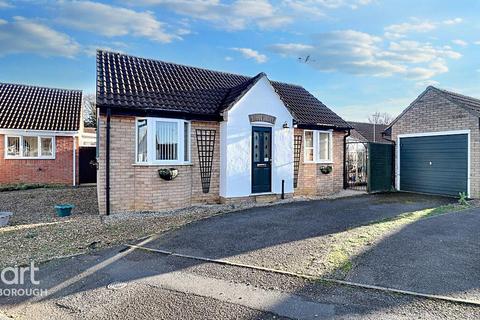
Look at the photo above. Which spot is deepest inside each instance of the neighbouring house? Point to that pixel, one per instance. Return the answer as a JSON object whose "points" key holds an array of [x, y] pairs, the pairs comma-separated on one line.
{"points": [[368, 132], [438, 144], [211, 136], [39, 130]]}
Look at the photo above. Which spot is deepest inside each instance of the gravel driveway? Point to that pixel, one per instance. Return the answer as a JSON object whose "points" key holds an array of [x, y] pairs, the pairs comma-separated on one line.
{"points": [[439, 255]]}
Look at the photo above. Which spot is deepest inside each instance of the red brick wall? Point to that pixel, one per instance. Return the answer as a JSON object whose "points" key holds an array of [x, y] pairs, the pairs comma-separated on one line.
{"points": [[56, 171], [311, 181]]}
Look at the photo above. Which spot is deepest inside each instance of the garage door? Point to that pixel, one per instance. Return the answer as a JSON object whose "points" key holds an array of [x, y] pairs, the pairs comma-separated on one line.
{"points": [[434, 164]]}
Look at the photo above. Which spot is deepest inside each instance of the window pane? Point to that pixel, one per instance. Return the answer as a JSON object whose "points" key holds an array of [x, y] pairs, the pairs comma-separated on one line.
{"points": [[309, 154], [186, 141], [309, 139], [167, 140], [324, 146], [47, 147], [13, 146], [30, 146], [256, 146], [142, 140]]}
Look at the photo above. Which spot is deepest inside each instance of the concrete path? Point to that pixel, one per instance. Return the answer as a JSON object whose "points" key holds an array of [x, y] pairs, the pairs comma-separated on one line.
{"points": [[438, 255]]}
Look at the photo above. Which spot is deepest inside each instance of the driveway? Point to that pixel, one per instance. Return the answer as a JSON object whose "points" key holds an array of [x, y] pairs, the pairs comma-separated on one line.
{"points": [[439, 255], [123, 282], [295, 237]]}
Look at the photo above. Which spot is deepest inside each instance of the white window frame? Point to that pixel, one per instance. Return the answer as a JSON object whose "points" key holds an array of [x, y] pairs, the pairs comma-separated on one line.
{"points": [[151, 147], [21, 156], [316, 146]]}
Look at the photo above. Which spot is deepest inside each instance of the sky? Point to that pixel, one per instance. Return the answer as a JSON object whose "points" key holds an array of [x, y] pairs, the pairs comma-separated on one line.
{"points": [[356, 56]]}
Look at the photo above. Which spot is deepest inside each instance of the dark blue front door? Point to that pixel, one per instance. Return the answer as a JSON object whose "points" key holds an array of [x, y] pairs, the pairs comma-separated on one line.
{"points": [[261, 159]]}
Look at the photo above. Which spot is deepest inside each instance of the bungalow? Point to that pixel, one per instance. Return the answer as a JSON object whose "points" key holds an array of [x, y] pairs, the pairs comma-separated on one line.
{"points": [[437, 144], [39, 134], [172, 135]]}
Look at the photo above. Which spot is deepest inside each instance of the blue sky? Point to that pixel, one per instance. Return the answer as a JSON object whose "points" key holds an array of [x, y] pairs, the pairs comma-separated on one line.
{"points": [[363, 55]]}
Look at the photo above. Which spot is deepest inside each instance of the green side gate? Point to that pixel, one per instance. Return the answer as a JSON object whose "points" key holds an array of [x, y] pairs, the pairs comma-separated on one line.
{"points": [[380, 167]]}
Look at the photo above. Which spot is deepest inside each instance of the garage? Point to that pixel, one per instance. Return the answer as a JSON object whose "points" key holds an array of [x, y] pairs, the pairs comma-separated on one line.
{"points": [[435, 163]]}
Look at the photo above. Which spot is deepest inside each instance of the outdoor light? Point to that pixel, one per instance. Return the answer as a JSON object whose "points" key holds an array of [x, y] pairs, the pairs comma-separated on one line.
{"points": [[285, 125]]}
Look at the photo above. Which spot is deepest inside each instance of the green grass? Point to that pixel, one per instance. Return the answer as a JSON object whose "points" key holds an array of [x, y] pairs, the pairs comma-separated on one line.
{"points": [[350, 243]]}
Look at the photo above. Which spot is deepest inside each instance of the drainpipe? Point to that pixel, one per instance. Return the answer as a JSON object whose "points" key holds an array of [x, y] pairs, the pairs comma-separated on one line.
{"points": [[107, 164], [74, 161], [345, 182]]}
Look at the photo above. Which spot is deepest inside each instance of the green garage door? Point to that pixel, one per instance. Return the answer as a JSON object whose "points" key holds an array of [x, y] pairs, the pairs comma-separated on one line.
{"points": [[434, 164]]}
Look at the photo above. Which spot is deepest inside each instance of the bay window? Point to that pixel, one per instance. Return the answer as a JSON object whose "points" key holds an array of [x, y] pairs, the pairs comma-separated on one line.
{"points": [[318, 146], [162, 141], [29, 147]]}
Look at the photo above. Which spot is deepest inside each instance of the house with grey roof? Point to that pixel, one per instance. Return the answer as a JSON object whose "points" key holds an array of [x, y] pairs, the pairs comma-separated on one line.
{"points": [[368, 132], [39, 134], [437, 144], [171, 136]]}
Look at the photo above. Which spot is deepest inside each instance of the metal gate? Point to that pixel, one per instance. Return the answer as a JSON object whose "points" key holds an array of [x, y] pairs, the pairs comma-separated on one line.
{"points": [[87, 165], [357, 165], [369, 166]]}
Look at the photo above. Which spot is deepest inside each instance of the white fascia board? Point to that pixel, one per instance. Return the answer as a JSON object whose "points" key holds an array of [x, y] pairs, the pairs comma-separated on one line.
{"points": [[26, 132]]}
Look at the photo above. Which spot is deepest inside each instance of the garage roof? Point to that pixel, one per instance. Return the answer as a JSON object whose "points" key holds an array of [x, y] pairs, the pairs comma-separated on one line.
{"points": [[468, 103]]}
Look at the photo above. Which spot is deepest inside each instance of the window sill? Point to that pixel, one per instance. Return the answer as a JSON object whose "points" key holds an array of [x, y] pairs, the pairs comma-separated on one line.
{"points": [[162, 164], [318, 162], [28, 158]]}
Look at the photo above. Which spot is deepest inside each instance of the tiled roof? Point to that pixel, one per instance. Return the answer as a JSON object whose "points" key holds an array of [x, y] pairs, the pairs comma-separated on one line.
{"points": [[366, 132], [39, 108], [466, 102], [130, 82]]}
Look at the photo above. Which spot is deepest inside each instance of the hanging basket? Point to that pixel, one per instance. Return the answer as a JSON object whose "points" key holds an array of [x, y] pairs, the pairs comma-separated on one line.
{"points": [[168, 174], [326, 169]]}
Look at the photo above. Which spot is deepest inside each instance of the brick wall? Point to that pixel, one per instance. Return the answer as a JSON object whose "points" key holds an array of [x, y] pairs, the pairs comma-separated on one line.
{"points": [[311, 181], [138, 187], [433, 113], [54, 171]]}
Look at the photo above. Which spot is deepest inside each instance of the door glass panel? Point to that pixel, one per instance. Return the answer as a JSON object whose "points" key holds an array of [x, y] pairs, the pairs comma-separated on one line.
{"points": [[266, 146], [256, 146]]}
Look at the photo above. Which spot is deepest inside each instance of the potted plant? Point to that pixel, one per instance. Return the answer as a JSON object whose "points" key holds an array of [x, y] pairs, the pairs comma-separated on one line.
{"points": [[168, 174], [4, 217], [64, 210], [326, 169]]}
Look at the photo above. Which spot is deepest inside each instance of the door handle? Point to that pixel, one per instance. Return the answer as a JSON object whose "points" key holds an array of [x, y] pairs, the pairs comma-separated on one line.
{"points": [[261, 165]]}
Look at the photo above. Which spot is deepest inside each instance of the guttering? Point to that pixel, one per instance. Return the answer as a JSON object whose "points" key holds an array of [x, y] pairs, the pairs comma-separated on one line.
{"points": [[28, 132], [107, 163], [345, 182], [154, 112]]}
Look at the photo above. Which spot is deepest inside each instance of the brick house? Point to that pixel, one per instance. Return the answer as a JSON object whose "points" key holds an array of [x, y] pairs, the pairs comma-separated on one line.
{"points": [[438, 144], [229, 137], [38, 134]]}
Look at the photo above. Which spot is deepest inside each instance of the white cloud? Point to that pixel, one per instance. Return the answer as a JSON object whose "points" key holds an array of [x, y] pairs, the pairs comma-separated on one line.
{"points": [[113, 21], [228, 58], [453, 21], [477, 42], [252, 54], [5, 4], [236, 15], [396, 31], [426, 83], [27, 36], [460, 42], [360, 53]]}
